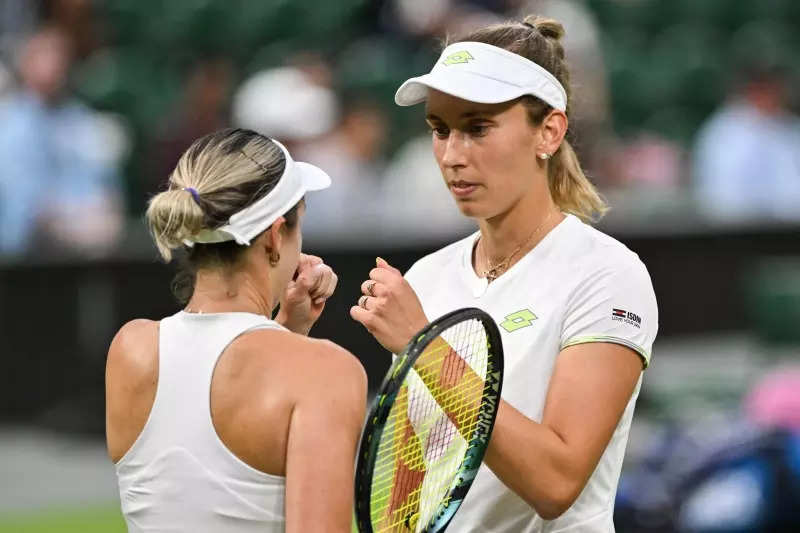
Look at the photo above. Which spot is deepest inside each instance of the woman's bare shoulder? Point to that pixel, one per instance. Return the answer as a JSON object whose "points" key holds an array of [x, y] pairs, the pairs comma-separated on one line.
{"points": [[303, 360], [135, 345]]}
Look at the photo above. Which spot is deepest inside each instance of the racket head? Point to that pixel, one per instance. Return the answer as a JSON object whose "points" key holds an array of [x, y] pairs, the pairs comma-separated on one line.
{"points": [[392, 401]]}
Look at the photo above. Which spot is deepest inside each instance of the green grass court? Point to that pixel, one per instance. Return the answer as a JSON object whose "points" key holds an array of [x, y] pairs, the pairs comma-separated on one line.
{"points": [[89, 520]]}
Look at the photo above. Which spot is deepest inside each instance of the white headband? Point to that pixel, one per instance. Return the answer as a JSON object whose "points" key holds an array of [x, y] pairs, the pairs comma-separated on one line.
{"points": [[297, 179], [485, 74]]}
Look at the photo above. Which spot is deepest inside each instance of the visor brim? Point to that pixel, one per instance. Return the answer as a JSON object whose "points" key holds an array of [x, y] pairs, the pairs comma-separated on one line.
{"points": [[313, 177], [463, 85]]}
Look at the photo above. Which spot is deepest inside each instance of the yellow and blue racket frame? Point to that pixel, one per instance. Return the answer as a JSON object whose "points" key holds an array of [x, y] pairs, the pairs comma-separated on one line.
{"points": [[386, 395]]}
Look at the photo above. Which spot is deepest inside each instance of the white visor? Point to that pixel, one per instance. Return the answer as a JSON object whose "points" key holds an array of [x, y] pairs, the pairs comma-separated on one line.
{"points": [[297, 179], [486, 74]]}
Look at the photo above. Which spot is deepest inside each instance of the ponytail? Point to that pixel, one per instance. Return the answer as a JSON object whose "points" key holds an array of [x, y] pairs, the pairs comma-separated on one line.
{"points": [[571, 190]]}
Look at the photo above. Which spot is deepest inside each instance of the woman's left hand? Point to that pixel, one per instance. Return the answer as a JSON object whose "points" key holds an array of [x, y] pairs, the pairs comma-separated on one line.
{"points": [[389, 309], [304, 298]]}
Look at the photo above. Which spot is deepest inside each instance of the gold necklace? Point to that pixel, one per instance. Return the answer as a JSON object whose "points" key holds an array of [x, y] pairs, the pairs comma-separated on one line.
{"points": [[494, 271]]}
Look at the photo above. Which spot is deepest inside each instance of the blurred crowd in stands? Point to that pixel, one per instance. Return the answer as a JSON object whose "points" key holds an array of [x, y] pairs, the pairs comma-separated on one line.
{"points": [[682, 109]]}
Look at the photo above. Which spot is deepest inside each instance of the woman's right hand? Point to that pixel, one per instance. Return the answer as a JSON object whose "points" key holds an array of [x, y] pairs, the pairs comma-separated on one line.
{"points": [[389, 308], [304, 298]]}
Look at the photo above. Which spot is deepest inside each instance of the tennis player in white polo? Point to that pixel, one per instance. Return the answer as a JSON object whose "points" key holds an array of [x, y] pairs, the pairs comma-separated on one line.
{"points": [[576, 308]]}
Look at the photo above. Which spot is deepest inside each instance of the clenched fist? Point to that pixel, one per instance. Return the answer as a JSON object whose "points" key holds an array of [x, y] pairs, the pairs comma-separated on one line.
{"points": [[389, 308], [304, 298]]}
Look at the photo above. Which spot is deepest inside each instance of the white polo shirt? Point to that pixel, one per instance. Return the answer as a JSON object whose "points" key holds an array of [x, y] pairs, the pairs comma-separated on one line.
{"points": [[577, 285]]}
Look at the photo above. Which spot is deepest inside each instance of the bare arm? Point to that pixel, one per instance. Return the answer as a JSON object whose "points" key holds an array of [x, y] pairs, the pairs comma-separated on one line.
{"points": [[548, 463], [323, 435], [588, 393], [131, 378]]}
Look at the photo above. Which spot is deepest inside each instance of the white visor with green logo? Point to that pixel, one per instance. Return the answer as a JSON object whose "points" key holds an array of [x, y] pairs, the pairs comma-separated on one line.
{"points": [[485, 74]]}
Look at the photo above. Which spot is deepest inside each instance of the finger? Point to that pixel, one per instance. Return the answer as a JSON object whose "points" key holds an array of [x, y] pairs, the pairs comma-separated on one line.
{"points": [[305, 281], [366, 286], [380, 262], [294, 294], [358, 314], [384, 275], [326, 288], [363, 302], [364, 317], [372, 288], [307, 262], [320, 274], [333, 280], [302, 265]]}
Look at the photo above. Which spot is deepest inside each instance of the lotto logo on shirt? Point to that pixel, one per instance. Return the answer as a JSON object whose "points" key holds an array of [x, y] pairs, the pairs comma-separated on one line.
{"points": [[629, 318]]}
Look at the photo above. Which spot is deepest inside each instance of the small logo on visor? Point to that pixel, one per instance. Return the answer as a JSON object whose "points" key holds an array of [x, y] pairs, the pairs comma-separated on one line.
{"points": [[458, 57]]}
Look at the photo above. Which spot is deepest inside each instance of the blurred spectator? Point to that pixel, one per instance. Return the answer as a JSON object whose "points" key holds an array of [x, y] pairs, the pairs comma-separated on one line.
{"points": [[203, 108], [647, 159], [352, 155], [316, 67], [77, 18], [467, 18], [285, 103], [58, 176], [416, 18], [6, 81], [774, 401], [17, 18], [582, 47], [434, 20], [747, 155]]}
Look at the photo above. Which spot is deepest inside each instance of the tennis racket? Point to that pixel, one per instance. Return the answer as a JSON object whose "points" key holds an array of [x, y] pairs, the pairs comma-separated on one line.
{"points": [[429, 426]]}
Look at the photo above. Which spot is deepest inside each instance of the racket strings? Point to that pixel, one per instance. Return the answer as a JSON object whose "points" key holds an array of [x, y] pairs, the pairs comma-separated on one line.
{"points": [[461, 408], [428, 430], [436, 438]]}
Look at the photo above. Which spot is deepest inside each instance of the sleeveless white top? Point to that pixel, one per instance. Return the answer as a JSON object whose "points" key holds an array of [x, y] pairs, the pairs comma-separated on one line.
{"points": [[179, 476]]}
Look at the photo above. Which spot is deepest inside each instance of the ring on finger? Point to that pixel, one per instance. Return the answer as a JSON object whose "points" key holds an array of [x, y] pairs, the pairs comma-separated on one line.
{"points": [[362, 302], [370, 287]]}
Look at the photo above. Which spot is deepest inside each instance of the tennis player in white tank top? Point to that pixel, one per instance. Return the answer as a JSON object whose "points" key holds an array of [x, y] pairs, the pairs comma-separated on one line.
{"points": [[576, 309], [218, 418]]}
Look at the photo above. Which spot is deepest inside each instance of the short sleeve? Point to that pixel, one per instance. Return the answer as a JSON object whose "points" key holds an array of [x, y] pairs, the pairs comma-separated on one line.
{"points": [[412, 274], [613, 303], [419, 275]]}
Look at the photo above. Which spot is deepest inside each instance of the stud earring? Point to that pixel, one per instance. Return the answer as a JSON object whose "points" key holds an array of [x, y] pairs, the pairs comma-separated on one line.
{"points": [[274, 259], [544, 156]]}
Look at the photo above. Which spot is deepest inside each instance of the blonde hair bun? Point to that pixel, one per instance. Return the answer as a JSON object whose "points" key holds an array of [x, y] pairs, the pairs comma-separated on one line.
{"points": [[217, 176], [550, 28]]}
